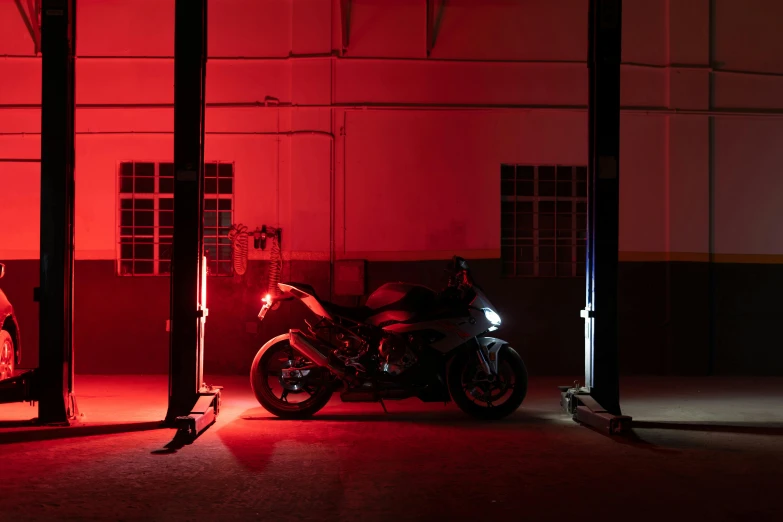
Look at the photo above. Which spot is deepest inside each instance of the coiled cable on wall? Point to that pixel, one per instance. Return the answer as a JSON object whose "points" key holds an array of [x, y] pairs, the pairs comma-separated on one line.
{"points": [[275, 263], [238, 237]]}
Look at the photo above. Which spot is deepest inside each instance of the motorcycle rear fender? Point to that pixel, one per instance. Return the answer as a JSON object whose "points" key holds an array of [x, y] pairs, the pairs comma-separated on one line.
{"points": [[272, 303], [273, 341]]}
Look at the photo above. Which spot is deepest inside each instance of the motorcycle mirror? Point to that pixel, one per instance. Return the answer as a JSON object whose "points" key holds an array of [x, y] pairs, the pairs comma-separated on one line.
{"points": [[458, 263]]}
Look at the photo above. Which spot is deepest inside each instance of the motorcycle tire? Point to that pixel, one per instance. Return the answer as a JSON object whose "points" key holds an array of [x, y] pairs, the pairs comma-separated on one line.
{"points": [[271, 402], [505, 355]]}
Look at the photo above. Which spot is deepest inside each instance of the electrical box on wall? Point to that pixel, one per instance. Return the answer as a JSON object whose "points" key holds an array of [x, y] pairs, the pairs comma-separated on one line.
{"points": [[349, 277]]}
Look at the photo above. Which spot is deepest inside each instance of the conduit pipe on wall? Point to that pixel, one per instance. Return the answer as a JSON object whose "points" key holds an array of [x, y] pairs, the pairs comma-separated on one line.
{"points": [[220, 133], [711, 162], [667, 317], [168, 133], [338, 57], [735, 112]]}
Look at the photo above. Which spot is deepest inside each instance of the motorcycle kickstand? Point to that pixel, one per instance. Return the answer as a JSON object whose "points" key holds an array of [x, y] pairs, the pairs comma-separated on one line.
{"points": [[383, 405]]}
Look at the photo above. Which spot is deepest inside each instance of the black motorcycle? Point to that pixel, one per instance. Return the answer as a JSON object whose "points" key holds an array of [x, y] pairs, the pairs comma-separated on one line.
{"points": [[406, 341]]}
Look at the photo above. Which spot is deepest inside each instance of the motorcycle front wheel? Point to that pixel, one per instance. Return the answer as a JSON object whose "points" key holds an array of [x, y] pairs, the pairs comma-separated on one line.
{"points": [[486, 396], [288, 385]]}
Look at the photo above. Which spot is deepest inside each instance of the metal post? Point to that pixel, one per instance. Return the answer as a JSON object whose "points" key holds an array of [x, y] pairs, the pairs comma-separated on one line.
{"points": [[54, 380], [187, 314], [601, 328]]}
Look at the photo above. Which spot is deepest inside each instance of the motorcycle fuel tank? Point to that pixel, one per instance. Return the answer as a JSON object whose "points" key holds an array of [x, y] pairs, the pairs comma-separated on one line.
{"points": [[403, 296]]}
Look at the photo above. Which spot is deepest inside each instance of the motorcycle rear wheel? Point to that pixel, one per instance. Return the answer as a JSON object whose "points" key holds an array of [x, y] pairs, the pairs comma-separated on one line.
{"points": [[477, 393], [315, 391]]}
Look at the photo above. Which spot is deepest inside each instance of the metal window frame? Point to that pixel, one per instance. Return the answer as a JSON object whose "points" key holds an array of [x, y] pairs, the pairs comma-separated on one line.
{"points": [[536, 199], [156, 196], [218, 197]]}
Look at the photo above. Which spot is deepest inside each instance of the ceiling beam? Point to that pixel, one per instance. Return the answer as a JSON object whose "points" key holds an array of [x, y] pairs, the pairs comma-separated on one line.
{"points": [[435, 10], [345, 23], [34, 9], [31, 20]]}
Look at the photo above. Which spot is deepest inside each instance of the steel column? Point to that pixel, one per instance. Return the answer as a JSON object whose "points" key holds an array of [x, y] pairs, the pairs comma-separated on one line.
{"points": [[54, 380], [601, 324], [187, 312]]}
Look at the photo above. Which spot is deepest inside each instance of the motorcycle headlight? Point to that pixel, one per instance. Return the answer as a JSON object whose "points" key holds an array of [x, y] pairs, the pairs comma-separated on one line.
{"points": [[492, 317]]}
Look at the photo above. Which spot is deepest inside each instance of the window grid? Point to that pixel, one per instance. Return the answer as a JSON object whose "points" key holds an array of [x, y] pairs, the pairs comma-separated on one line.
{"points": [[543, 220], [146, 217]]}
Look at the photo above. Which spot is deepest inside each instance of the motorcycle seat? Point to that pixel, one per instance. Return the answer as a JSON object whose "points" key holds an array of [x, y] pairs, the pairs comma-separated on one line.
{"points": [[358, 314], [389, 310]]}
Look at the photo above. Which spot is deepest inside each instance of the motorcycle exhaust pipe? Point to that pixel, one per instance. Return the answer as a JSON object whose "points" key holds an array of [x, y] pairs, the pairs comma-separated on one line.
{"points": [[301, 344]]}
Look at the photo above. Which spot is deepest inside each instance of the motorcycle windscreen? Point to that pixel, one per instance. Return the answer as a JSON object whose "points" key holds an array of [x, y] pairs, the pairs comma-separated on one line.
{"points": [[480, 300]]}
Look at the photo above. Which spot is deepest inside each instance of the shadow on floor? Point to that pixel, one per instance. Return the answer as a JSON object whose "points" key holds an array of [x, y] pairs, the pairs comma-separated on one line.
{"points": [[180, 440], [39, 433], [451, 418], [717, 427]]}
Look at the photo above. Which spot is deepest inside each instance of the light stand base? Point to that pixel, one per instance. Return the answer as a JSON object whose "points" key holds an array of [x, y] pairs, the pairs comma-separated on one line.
{"points": [[584, 409], [203, 414]]}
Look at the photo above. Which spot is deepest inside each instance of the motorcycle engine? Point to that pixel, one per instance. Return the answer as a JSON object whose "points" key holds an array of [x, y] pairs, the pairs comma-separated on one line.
{"points": [[351, 353], [395, 355]]}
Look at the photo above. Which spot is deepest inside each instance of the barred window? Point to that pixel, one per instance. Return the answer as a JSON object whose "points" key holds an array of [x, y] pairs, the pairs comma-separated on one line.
{"points": [[543, 220], [146, 217]]}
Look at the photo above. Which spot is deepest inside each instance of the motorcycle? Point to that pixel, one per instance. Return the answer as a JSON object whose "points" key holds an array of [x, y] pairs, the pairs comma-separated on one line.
{"points": [[405, 341]]}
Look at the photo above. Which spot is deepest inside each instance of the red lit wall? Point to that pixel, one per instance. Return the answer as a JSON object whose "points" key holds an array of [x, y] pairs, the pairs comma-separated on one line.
{"points": [[126, 48], [401, 152]]}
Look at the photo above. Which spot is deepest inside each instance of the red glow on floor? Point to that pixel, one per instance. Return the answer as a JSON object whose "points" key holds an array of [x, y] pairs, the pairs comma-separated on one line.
{"points": [[421, 461]]}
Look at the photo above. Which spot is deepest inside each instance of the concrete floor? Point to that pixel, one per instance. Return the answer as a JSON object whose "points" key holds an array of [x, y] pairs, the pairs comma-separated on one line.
{"points": [[709, 449]]}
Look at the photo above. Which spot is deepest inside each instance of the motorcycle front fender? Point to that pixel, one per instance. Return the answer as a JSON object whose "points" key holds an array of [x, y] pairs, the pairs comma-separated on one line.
{"points": [[492, 346]]}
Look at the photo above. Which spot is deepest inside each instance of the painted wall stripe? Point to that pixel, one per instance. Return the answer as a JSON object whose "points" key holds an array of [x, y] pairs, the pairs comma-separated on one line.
{"points": [[437, 255]]}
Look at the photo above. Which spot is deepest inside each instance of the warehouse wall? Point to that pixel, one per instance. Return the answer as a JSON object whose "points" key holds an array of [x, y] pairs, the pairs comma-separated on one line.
{"points": [[388, 155]]}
